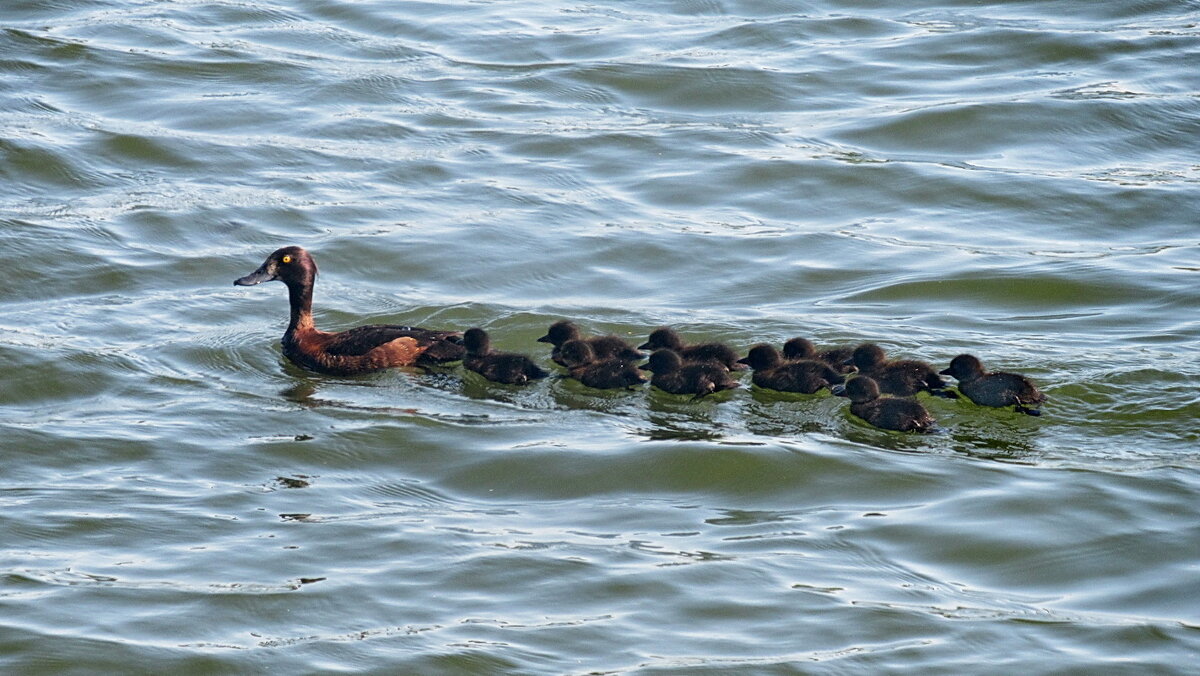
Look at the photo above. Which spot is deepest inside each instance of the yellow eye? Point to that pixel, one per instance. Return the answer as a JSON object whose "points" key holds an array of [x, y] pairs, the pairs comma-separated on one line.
{"points": [[286, 259]]}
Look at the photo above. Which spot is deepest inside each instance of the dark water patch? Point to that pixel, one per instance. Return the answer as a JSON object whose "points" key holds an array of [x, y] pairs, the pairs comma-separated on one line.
{"points": [[1009, 289], [139, 150], [681, 88], [37, 168], [1016, 45], [955, 130]]}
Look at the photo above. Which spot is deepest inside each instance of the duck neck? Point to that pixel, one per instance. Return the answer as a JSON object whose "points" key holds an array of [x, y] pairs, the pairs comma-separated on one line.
{"points": [[300, 298]]}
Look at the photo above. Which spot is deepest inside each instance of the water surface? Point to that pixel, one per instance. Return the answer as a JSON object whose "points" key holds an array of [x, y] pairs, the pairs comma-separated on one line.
{"points": [[1017, 180]]}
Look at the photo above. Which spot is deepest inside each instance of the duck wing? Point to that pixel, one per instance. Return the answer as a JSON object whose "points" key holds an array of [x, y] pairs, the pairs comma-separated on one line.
{"points": [[361, 340]]}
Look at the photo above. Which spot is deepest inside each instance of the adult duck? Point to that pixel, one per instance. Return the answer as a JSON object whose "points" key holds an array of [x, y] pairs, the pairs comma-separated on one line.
{"points": [[359, 350]]}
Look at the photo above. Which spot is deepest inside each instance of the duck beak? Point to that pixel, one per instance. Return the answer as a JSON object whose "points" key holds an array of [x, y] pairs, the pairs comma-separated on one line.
{"points": [[945, 372], [644, 346], [262, 274], [544, 339], [644, 367]]}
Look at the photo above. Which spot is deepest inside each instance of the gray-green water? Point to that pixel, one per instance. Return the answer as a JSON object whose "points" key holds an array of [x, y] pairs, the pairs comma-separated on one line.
{"points": [[1015, 179]]}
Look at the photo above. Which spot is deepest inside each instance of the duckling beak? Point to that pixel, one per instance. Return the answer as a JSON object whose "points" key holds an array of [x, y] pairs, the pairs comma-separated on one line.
{"points": [[838, 390], [945, 372], [644, 346], [644, 367], [262, 274], [544, 339]]}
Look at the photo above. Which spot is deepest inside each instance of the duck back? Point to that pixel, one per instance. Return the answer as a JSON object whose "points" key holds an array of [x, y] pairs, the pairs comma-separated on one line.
{"points": [[836, 357], [906, 377], [608, 374], [505, 367], [893, 413], [700, 379], [804, 376], [1002, 389]]}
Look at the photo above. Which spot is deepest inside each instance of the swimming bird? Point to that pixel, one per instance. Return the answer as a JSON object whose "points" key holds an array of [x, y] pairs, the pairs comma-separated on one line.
{"points": [[673, 375], [900, 377], [604, 347], [602, 374], [359, 350], [889, 413], [805, 376], [668, 338], [501, 367], [995, 388], [836, 357]]}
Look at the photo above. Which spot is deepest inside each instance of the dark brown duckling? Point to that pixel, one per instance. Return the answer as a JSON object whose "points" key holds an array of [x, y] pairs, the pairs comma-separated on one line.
{"points": [[602, 374], [805, 376], [667, 338], [673, 375], [500, 367], [996, 388], [899, 377], [359, 350], [604, 347], [836, 357], [889, 413]]}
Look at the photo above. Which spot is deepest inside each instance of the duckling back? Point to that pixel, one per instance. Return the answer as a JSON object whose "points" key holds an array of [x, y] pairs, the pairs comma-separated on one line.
{"points": [[673, 375], [889, 413], [580, 359], [804, 376]]}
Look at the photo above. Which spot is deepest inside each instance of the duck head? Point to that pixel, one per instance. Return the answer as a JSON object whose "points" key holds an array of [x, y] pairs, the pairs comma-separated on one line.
{"points": [[858, 389], [476, 341], [867, 356], [559, 333], [662, 338], [964, 367], [762, 356], [577, 353], [663, 361], [291, 265], [799, 348]]}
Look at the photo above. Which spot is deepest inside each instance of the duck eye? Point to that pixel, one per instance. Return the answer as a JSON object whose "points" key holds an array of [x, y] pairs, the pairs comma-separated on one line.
{"points": [[286, 259]]}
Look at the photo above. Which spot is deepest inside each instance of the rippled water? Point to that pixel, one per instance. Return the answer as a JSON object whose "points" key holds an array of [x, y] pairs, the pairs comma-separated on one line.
{"points": [[1018, 180]]}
